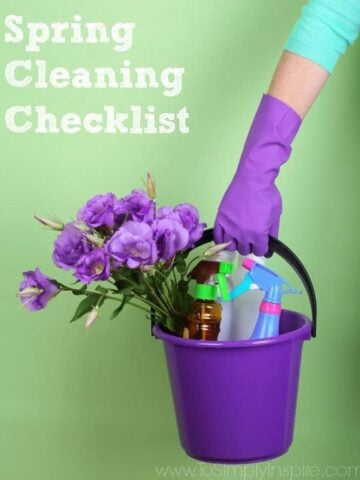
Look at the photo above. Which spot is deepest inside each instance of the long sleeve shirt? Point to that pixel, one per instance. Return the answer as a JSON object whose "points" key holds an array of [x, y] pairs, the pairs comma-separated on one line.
{"points": [[324, 31]]}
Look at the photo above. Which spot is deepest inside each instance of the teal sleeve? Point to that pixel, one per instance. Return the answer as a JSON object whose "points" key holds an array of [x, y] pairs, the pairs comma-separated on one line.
{"points": [[324, 31]]}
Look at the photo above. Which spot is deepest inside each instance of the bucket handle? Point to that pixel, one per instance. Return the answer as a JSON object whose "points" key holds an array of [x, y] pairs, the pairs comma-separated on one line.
{"points": [[291, 258]]}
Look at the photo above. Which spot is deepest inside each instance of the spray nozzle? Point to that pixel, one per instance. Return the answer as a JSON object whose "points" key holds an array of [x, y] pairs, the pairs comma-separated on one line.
{"points": [[290, 289], [225, 268], [206, 269], [267, 280]]}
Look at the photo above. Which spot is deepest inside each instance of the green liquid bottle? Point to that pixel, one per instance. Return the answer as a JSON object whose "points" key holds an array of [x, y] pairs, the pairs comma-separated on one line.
{"points": [[204, 315]]}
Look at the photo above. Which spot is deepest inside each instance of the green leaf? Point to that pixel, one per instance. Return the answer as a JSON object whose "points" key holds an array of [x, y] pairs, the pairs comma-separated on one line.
{"points": [[161, 270], [124, 301], [140, 288], [187, 299], [180, 265], [175, 294], [124, 286], [170, 323], [183, 286], [125, 273], [86, 305], [158, 278], [181, 299], [127, 279], [101, 289], [80, 291]]}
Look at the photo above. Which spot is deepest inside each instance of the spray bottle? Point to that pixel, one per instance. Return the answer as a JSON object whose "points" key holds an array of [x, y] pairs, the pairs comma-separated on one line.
{"points": [[245, 308], [203, 318], [270, 308], [212, 299]]}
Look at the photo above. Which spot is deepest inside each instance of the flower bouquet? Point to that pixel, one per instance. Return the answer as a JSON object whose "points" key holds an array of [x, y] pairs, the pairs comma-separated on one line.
{"points": [[125, 250]]}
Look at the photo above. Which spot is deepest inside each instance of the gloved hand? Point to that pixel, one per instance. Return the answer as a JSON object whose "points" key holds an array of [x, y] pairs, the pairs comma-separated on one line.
{"points": [[251, 207]]}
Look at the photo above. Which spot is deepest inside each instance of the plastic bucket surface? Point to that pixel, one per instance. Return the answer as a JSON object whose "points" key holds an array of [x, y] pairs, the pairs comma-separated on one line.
{"points": [[235, 401]]}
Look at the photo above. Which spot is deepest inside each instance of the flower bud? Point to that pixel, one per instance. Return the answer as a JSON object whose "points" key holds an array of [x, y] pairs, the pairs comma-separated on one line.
{"points": [[150, 186], [216, 249], [147, 268], [50, 222], [81, 226], [92, 317]]}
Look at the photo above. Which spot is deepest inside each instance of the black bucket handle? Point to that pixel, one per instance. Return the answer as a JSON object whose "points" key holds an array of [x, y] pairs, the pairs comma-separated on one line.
{"points": [[291, 258]]}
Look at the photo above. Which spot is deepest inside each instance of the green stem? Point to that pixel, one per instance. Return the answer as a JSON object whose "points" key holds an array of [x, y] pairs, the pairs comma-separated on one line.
{"points": [[154, 292], [138, 306], [155, 307], [175, 279], [68, 289], [165, 281], [174, 311], [110, 297]]}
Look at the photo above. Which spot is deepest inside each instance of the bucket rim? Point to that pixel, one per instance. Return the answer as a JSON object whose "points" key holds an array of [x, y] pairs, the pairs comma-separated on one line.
{"points": [[301, 333]]}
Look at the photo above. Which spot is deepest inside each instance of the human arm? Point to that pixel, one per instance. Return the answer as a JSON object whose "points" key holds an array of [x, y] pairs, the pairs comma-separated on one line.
{"points": [[297, 82], [251, 207]]}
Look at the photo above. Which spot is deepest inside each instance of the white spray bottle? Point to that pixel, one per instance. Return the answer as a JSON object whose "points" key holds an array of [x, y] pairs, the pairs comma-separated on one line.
{"points": [[245, 308]]}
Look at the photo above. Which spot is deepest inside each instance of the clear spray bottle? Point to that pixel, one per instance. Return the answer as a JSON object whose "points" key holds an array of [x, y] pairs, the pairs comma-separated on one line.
{"points": [[245, 308]]}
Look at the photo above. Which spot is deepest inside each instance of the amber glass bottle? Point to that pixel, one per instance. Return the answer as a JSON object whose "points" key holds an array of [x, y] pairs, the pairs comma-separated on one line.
{"points": [[204, 315]]}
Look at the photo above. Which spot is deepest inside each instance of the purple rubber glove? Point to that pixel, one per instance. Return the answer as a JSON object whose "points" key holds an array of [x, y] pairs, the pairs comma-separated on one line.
{"points": [[251, 207]]}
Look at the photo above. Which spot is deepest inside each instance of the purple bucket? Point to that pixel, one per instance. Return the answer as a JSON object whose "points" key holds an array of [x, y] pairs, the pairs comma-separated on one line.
{"points": [[235, 401]]}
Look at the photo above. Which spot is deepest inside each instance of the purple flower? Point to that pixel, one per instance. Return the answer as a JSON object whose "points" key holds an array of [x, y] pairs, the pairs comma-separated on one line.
{"points": [[137, 205], [93, 266], [167, 212], [69, 247], [133, 245], [189, 216], [170, 237], [98, 211], [36, 290]]}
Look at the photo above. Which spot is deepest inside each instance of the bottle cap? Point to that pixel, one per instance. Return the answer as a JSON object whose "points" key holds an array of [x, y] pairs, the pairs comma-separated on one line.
{"points": [[204, 291]]}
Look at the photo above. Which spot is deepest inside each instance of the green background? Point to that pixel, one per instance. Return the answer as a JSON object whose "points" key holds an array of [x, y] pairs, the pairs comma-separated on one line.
{"points": [[98, 405]]}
